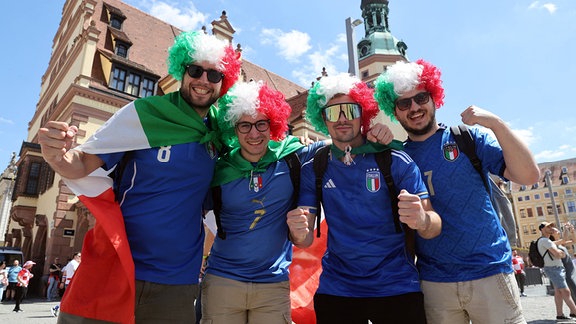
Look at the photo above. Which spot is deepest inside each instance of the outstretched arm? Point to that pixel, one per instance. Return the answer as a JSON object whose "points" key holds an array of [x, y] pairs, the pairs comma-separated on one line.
{"points": [[520, 164]]}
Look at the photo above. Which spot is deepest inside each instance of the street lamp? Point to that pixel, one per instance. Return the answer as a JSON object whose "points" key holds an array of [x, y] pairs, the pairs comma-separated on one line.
{"points": [[352, 50], [547, 174]]}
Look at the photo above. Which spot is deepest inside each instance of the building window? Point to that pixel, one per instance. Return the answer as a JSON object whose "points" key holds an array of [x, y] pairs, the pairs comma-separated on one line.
{"points": [[520, 198], [571, 206], [565, 179], [526, 198], [522, 187], [525, 229], [532, 229], [133, 86], [549, 210], [121, 49], [535, 186], [536, 196], [568, 192], [530, 212], [564, 170], [132, 83], [118, 79], [33, 179], [523, 213], [539, 211], [116, 22]]}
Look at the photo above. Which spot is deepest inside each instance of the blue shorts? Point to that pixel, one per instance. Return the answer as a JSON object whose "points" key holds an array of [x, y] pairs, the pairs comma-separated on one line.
{"points": [[557, 276]]}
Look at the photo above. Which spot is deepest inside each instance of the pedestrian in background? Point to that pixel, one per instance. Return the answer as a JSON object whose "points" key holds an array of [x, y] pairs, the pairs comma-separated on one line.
{"points": [[519, 273], [24, 277]]}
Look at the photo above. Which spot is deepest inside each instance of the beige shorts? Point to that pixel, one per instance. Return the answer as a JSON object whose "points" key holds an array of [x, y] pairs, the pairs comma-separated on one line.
{"points": [[490, 300], [227, 301]]}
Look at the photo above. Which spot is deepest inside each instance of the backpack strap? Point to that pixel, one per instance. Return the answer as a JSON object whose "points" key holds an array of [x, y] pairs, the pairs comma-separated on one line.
{"points": [[546, 252], [320, 163], [467, 145], [293, 162], [384, 161], [118, 172], [217, 209]]}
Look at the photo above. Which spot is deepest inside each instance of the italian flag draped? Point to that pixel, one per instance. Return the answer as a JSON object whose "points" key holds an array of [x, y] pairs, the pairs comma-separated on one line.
{"points": [[103, 287]]}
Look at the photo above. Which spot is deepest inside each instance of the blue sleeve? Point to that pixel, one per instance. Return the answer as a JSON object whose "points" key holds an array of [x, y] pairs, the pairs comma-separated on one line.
{"points": [[307, 185], [111, 159], [407, 175], [489, 152]]}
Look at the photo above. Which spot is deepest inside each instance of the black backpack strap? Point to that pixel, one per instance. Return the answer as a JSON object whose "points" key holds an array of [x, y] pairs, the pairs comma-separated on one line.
{"points": [[294, 165], [384, 161], [217, 208], [320, 163], [467, 146]]}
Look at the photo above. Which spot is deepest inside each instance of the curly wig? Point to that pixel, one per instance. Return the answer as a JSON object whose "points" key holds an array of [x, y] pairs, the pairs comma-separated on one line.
{"points": [[195, 46], [328, 87], [251, 98], [402, 77]]}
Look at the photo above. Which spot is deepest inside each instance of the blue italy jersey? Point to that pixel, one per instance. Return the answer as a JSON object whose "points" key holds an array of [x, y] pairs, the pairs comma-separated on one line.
{"points": [[253, 215], [365, 256], [472, 244], [161, 195]]}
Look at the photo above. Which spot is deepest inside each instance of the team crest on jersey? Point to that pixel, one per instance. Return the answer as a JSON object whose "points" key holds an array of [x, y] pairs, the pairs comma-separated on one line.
{"points": [[450, 151], [211, 149], [373, 180]]}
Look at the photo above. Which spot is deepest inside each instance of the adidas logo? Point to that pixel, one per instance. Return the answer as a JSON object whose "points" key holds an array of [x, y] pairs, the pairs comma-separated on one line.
{"points": [[329, 184]]}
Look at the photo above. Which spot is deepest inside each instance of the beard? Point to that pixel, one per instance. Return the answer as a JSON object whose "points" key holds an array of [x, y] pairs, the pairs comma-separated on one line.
{"points": [[197, 104], [420, 131]]}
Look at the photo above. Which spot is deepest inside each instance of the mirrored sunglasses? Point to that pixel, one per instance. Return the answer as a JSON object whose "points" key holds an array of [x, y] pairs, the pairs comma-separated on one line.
{"points": [[196, 71], [420, 99], [351, 111]]}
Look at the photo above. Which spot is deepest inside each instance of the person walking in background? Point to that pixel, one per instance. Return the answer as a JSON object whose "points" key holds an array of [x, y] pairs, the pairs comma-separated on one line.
{"points": [[368, 274], [13, 280], [519, 273], [466, 271], [164, 149], [54, 279], [3, 279], [24, 277], [69, 270], [555, 270]]}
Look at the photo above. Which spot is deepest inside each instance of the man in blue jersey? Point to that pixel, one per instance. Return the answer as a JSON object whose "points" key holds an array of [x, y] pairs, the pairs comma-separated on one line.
{"points": [[161, 189], [367, 272], [466, 271]]}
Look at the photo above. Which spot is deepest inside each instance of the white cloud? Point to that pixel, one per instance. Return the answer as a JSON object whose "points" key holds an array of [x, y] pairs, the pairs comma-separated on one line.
{"points": [[549, 155], [185, 19], [526, 135], [291, 45], [6, 121], [316, 61], [550, 7]]}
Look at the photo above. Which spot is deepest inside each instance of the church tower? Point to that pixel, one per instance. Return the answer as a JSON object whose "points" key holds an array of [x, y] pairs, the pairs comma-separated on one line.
{"points": [[378, 48]]}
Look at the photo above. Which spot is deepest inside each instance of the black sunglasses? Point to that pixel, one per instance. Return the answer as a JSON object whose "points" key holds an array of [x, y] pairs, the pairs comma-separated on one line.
{"points": [[196, 71], [420, 99], [261, 126]]}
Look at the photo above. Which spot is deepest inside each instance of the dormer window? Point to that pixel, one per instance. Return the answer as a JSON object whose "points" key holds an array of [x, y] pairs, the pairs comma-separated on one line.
{"points": [[116, 22], [535, 186], [122, 49], [564, 170], [565, 179]]}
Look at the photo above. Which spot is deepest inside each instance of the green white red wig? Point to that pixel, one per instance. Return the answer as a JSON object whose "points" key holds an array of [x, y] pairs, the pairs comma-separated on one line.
{"points": [[196, 46], [344, 84], [251, 98], [402, 77]]}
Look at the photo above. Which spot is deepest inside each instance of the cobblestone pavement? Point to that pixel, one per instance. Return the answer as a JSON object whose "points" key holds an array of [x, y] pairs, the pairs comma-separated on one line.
{"points": [[538, 309]]}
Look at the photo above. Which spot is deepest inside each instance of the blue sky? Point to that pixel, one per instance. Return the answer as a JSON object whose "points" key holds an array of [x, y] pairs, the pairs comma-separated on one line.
{"points": [[514, 58]]}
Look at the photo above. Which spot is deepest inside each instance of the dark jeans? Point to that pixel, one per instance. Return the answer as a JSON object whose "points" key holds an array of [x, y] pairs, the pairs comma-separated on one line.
{"points": [[520, 279], [407, 308], [20, 295]]}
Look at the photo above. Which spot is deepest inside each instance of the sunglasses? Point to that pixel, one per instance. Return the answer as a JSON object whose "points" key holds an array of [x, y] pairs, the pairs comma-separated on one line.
{"points": [[196, 71], [351, 111], [246, 127], [420, 99]]}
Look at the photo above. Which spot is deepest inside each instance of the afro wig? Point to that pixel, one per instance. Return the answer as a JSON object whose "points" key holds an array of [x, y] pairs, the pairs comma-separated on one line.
{"points": [[251, 98], [402, 77], [195, 46], [328, 87]]}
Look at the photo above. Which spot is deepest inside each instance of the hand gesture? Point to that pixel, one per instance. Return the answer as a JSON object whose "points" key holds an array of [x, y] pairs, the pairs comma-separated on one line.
{"points": [[411, 211], [55, 139], [474, 115], [380, 133], [297, 220]]}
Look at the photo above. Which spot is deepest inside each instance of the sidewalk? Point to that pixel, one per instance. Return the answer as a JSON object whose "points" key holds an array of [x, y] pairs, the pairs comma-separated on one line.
{"points": [[538, 309]]}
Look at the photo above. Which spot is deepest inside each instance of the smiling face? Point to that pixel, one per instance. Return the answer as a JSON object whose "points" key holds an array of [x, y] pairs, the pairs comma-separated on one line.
{"points": [[199, 92], [419, 121], [254, 143]]}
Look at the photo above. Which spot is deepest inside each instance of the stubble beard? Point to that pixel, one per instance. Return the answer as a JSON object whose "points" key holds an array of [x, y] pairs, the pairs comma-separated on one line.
{"points": [[420, 131]]}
